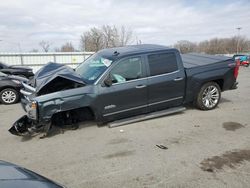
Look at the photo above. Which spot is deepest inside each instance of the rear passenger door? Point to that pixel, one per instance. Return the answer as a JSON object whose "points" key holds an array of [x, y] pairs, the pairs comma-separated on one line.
{"points": [[166, 81]]}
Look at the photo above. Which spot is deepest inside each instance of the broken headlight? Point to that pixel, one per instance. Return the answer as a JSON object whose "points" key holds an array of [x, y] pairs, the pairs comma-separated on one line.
{"points": [[31, 109]]}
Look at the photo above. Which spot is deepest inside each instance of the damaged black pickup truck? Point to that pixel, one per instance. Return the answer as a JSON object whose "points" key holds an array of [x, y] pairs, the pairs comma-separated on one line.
{"points": [[122, 82]]}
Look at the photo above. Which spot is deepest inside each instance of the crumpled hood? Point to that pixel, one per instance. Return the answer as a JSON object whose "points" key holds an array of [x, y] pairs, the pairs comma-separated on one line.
{"points": [[50, 72]]}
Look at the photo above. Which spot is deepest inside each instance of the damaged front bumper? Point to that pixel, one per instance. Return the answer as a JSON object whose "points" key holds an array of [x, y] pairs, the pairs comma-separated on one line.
{"points": [[26, 126], [21, 126]]}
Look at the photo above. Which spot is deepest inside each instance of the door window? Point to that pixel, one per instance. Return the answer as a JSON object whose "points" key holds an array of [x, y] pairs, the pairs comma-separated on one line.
{"points": [[162, 63], [127, 70]]}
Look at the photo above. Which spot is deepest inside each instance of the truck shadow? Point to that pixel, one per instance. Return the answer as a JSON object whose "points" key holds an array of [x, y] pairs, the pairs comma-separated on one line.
{"points": [[56, 130], [224, 100], [193, 107]]}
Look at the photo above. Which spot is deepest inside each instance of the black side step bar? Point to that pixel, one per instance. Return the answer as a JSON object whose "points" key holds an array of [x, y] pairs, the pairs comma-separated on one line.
{"points": [[146, 116]]}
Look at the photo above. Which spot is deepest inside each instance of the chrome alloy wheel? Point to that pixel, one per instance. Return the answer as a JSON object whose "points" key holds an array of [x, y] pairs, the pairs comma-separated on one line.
{"points": [[8, 97], [210, 96]]}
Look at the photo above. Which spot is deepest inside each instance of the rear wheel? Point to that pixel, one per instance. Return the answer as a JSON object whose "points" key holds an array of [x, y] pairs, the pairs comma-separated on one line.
{"points": [[209, 96], [9, 96]]}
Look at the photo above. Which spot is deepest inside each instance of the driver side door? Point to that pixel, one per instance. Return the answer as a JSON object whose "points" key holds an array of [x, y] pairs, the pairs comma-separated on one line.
{"points": [[127, 96]]}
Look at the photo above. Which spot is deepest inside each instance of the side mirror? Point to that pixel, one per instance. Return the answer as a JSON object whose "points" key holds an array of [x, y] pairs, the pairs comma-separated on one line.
{"points": [[108, 81]]}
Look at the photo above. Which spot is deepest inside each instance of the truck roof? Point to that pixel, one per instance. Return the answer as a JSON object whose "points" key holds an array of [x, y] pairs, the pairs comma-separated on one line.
{"points": [[189, 60], [132, 49], [195, 59]]}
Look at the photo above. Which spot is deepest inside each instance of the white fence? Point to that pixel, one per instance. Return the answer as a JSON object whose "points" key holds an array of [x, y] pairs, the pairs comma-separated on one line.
{"points": [[37, 60]]}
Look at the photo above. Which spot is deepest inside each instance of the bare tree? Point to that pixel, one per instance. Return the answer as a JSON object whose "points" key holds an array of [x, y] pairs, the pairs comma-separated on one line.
{"points": [[105, 37], [224, 45], [45, 45], [110, 36], [92, 40], [185, 46], [216, 45], [126, 36], [82, 43], [67, 47], [243, 44]]}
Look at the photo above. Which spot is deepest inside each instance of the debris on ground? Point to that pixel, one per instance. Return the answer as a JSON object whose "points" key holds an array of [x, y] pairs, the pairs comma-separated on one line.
{"points": [[162, 146]]}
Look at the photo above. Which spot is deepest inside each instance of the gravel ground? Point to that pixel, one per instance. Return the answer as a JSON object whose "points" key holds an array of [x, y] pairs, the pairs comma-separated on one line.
{"points": [[205, 149]]}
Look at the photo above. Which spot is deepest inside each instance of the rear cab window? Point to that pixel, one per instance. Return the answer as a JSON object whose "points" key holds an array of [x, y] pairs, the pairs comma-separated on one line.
{"points": [[162, 63]]}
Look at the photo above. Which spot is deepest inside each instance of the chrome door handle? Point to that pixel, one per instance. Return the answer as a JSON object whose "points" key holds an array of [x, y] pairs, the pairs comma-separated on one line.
{"points": [[178, 79], [140, 86]]}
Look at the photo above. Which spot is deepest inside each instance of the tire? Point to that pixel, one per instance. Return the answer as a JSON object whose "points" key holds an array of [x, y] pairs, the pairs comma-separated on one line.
{"points": [[209, 96], [9, 96]]}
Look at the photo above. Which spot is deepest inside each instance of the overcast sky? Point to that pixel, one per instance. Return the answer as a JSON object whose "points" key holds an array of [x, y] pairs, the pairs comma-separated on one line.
{"points": [[27, 22]]}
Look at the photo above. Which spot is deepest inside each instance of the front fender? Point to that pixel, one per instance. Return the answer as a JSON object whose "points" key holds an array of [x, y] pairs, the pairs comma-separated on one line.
{"points": [[67, 100]]}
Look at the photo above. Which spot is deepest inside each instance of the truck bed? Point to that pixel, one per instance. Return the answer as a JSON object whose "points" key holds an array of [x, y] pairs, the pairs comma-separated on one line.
{"points": [[194, 59]]}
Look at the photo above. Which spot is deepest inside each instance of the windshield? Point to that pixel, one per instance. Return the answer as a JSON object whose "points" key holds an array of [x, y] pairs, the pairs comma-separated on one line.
{"points": [[91, 69], [2, 74]]}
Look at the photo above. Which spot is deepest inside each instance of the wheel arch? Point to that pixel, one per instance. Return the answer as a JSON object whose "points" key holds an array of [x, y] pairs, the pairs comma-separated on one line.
{"points": [[76, 114], [11, 87], [220, 82]]}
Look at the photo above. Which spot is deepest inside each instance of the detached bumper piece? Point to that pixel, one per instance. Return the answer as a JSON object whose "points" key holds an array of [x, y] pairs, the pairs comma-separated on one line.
{"points": [[22, 126]]}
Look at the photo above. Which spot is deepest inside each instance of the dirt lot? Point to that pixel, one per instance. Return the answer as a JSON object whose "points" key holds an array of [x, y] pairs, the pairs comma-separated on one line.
{"points": [[205, 149]]}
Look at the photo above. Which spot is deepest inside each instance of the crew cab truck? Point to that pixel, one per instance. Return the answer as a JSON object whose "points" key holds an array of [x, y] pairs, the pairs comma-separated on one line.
{"points": [[124, 82]]}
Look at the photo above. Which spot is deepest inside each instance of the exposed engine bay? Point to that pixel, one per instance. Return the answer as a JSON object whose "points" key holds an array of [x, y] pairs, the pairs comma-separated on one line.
{"points": [[58, 84], [55, 77]]}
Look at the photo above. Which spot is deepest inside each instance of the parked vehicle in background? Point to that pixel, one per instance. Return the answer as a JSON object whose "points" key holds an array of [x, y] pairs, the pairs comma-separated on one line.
{"points": [[244, 59], [16, 70], [10, 88], [14, 176], [118, 83]]}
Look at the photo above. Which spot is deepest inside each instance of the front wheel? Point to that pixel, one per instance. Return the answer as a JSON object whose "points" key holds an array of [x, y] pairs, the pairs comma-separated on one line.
{"points": [[209, 96], [9, 96]]}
